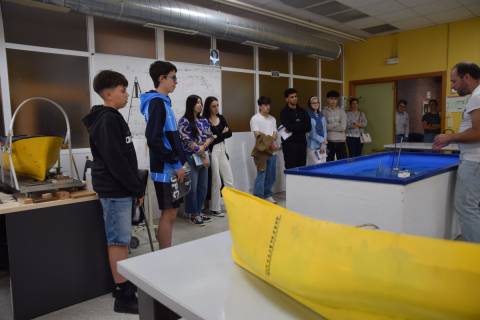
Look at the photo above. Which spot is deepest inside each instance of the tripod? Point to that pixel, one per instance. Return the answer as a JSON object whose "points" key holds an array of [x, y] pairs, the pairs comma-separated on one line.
{"points": [[136, 91], [142, 222]]}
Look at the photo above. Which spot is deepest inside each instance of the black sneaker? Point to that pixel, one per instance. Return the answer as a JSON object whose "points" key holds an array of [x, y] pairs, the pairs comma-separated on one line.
{"points": [[198, 220], [126, 288], [216, 213], [205, 218], [126, 305]]}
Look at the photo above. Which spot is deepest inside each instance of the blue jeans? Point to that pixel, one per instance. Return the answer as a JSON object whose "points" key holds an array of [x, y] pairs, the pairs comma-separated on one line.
{"points": [[117, 214], [196, 197], [467, 200], [265, 179]]}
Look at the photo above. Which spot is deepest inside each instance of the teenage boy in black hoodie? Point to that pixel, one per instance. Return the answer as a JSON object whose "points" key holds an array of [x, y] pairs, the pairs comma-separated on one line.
{"points": [[115, 177]]}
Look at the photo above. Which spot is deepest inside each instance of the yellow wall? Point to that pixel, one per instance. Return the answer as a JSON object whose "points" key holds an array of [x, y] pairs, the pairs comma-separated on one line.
{"points": [[464, 42], [433, 49], [425, 50]]}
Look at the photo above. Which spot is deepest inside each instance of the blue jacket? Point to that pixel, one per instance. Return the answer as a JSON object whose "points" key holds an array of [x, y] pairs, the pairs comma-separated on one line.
{"points": [[315, 138], [166, 154]]}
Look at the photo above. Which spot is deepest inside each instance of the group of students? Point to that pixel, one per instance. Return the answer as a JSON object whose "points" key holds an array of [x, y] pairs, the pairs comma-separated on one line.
{"points": [[431, 122], [309, 136], [195, 143], [199, 140], [315, 135]]}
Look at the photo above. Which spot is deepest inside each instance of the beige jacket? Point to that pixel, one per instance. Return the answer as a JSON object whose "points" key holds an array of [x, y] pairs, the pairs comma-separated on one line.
{"points": [[262, 150]]}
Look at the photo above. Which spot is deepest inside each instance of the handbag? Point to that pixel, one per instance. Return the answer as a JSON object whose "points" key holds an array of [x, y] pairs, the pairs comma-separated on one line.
{"points": [[365, 137]]}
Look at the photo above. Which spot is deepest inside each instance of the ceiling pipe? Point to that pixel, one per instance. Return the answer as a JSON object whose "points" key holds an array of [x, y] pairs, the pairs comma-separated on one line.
{"points": [[212, 19], [290, 19]]}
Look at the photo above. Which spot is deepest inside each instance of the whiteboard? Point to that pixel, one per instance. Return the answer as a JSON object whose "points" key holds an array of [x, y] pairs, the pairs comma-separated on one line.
{"points": [[131, 68], [202, 80]]}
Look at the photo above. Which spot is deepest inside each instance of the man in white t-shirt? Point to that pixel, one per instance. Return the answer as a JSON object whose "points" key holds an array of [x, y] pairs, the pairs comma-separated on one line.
{"points": [[264, 123], [465, 79]]}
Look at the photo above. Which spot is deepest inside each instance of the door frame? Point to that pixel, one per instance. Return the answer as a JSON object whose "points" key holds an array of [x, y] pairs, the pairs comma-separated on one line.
{"points": [[442, 99]]}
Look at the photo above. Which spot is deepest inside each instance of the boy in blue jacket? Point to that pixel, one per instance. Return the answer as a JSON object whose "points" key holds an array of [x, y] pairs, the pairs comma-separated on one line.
{"points": [[166, 153]]}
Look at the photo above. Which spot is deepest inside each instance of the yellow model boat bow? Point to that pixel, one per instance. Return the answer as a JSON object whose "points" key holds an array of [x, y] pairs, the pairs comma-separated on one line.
{"points": [[347, 273], [33, 156]]}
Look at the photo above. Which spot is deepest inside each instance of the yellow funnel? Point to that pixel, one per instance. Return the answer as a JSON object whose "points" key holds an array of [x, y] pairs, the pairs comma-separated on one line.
{"points": [[342, 272], [34, 156]]}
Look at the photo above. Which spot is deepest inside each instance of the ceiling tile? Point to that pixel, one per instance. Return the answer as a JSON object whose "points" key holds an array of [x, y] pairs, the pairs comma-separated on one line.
{"points": [[437, 6], [349, 15], [383, 28], [329, 8], [398, 15], [412, 3], [383, 7], [450, 15], [357, 3], [475, 9], [407, 24], [301, 3], [365, 22], [468, 2]]}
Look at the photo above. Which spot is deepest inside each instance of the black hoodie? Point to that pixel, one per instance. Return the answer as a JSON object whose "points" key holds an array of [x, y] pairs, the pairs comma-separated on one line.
{"points": [[115, 168]]}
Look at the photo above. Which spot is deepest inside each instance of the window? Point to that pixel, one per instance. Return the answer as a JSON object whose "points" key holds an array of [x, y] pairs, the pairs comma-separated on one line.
{"points": [[274, 88], [186, 48], [238, 98], [61, 78], [235, 55], [306, 89], [121, 38], [305, 66], [273, 60], [46, 28], [332, 69]]}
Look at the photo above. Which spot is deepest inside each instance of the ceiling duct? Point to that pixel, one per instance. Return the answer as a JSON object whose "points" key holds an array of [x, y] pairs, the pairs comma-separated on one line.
{"points": [[208, 19]]}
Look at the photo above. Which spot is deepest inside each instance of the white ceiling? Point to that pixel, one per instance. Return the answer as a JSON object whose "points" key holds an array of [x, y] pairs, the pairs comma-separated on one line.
{"points": [[402, 14]]}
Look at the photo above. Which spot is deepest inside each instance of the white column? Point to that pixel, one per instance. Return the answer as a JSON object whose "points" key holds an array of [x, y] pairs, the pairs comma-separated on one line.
{"points": [[160, 43], [7, 110], [257, 77], [290, 70]]}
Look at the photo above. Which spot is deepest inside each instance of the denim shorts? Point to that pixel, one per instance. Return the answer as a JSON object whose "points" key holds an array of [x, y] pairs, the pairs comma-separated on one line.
{"points": [[117, 214]]}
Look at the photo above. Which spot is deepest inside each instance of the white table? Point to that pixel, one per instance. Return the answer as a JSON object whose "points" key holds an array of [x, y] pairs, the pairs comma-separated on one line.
{"points": [[425, 146], [198, 280]]}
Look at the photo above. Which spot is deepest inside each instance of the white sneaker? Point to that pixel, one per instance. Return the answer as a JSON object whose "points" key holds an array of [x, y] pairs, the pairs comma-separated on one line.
{"points": [[271, 199]]}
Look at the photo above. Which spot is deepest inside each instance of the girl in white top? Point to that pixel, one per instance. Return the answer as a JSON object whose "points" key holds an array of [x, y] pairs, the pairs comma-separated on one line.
{"points": [[220, 165]]}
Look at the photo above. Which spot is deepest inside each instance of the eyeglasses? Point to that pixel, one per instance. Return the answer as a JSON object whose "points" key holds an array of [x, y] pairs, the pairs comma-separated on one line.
{"points": [[174, 78]]}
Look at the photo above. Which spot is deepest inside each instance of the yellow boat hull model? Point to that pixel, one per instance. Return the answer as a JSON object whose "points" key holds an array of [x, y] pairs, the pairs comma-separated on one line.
{"points": [[34, 156], [342, 272]]}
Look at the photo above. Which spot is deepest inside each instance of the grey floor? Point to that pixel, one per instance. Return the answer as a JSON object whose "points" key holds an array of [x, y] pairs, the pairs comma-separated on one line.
{"points": [[101, 308]]}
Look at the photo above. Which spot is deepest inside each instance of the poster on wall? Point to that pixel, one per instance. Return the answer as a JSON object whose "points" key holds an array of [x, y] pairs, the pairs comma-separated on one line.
{"points": [[454, 111]]}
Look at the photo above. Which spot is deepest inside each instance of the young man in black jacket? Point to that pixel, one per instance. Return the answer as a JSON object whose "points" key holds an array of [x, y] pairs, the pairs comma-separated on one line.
{"points": [[115, 177], [297, 122]]}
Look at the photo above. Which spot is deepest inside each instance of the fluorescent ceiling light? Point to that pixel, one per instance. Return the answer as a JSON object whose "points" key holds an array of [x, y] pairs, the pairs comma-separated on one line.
{"points": [[260, 45], [189, 12], [170, 28]]}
